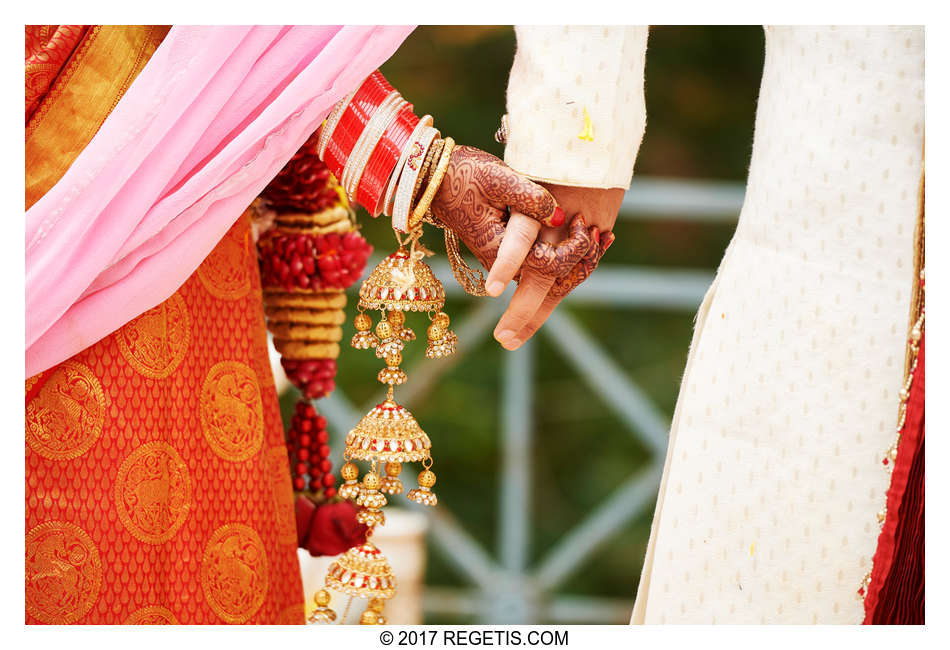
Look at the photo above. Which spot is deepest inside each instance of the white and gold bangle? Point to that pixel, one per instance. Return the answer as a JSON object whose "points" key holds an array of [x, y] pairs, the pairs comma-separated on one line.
{"points": [[367, 140], [366, 143], [435, 180], [390, 196], [329, 126], [407, 179]]}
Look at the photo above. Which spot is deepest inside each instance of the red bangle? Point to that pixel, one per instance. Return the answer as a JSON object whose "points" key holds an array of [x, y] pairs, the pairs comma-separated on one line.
{"points": [[364, 103], [383, 160]]}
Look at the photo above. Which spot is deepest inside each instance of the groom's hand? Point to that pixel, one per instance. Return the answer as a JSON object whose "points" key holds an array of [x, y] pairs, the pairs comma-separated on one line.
{"points": [[537, 295]]}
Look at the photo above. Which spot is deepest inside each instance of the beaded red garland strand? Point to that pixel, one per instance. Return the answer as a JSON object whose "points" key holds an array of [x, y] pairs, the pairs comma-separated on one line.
{"points": [[312, 377], [303, 185], [309, 451], [312, 253], [312, 262]]}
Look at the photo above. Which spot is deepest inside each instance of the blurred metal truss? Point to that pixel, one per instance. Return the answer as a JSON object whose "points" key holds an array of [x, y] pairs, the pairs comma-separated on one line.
{"points": [[505, 587]]}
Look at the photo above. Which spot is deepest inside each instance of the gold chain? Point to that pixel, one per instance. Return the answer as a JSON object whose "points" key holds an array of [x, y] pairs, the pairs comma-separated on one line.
{"points": [[472, 280]]}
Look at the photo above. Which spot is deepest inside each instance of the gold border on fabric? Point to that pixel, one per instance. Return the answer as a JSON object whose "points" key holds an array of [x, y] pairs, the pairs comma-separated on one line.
{"points": [[101, 69], [917, 295], [48, 50]]}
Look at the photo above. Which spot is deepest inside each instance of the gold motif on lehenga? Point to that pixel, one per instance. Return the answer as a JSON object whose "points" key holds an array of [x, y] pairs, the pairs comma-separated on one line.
{"points": [[155, 342], [153, 492], [234, 572], [63, 572], [152, 615], [232, 414], [65, 418], [282, 494], [226, 272]]}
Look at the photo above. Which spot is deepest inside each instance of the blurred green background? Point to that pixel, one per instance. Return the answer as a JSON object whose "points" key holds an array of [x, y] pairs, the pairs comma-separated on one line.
{"points": [[701, 89]]}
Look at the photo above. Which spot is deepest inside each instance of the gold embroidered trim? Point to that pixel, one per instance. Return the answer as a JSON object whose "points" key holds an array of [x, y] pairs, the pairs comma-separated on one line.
{"points": [[910, 365]]}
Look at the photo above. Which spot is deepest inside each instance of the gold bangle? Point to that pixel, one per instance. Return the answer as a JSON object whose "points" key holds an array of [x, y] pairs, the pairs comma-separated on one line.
{"points": [[425, 171], [423, 206], [402, 203]]}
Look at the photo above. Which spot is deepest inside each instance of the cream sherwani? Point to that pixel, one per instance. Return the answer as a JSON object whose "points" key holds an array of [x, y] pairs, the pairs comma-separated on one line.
{"points": [[773, 477], [561, 73]]}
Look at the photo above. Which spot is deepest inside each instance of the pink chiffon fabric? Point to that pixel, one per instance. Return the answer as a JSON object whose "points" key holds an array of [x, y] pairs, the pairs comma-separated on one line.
{"points": [[213, 116]]}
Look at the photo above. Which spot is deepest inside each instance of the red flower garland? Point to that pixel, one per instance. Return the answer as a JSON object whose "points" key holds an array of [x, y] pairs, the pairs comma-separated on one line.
{"points": [[295, 260], [328, 528], [303, 185], [312, 262]]}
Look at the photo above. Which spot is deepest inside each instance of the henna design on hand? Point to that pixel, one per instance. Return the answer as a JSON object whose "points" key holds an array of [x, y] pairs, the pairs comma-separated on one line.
{"points": [[474, 197], [473, 201], [558, 260], [504, 187], [600, 242]]}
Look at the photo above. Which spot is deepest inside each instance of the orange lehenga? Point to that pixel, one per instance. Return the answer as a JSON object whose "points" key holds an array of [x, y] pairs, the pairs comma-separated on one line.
{"points": [[157, 480]]}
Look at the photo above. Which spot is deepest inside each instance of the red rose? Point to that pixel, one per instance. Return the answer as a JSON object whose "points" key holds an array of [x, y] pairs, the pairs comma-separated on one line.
{"points": [[328, 528]]}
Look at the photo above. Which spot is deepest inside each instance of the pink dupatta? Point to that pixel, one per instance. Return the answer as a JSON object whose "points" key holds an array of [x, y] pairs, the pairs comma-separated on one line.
{"points": [[212, 117]]}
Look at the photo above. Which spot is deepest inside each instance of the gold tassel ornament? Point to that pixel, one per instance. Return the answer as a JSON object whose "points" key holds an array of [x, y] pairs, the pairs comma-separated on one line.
{"points": [[364, 337], [391, 483], [351, 487], [388, 435], [362, 571], [371, 500], [441, 340], [323, 613], [423, 495]]}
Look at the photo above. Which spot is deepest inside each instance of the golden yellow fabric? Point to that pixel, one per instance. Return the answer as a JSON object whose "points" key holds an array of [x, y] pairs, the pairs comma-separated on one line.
{"points": [[102, 68]]}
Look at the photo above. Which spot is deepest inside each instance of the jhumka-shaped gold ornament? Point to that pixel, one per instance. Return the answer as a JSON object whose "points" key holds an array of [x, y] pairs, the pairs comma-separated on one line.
{"points": [[322, 613], [364, 572], [388, 435]]}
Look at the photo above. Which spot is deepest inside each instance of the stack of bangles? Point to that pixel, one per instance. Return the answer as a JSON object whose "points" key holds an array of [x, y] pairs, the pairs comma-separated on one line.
{"points": [[387, 159]]}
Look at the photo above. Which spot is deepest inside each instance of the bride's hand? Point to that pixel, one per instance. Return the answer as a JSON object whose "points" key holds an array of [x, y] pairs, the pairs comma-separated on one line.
{"points": [[475, 198]]}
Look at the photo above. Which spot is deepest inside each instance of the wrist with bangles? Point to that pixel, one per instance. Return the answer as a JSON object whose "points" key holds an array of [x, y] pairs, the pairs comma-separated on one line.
{"points": [[387, 159]]}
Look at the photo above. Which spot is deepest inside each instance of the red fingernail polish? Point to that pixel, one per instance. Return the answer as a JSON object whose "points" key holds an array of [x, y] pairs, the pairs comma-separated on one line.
{"points": [[558, 217], [610, 240]]}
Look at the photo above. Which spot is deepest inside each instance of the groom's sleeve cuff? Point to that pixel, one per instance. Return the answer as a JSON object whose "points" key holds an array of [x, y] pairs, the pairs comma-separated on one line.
{"points": [[576, 109]]}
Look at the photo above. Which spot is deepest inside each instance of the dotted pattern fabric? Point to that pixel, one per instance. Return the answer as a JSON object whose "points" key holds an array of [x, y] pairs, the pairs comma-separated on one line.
{"points": [[157, 481], [767, 508], [559, 72]]}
